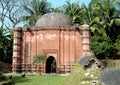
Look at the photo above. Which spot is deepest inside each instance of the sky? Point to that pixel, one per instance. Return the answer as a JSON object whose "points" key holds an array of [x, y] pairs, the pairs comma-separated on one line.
{"points": [[57, 3]]}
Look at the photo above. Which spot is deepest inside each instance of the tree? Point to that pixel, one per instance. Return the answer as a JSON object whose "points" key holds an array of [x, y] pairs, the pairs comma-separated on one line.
{"points": [[109, 12], [34, 10], [114, 29], [58, 9], [103, 18], [6, 45], [99, 15], [92, 18], [10, 13], [101, 46], [74, 11]]}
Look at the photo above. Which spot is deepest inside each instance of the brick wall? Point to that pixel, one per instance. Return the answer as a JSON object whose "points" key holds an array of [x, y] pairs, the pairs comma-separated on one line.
{"points": [[65, 44]]}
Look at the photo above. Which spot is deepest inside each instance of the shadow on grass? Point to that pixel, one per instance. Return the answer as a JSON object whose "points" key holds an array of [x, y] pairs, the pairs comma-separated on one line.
{"points": [[20, 79]]}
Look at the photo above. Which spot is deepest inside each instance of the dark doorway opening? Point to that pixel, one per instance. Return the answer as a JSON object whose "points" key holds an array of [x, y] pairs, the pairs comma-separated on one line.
{"points": [[51, 65]]}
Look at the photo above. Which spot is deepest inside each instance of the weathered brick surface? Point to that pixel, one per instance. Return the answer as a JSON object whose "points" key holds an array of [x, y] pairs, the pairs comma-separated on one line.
{"points": [[64, 44]]}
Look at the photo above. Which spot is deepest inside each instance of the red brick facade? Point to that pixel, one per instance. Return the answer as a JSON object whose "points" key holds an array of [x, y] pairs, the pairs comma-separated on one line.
{"points": [[66, 45]]}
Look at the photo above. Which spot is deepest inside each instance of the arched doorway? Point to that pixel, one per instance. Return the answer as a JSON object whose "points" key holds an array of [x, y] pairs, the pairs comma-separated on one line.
{"points": [[51, 65]]}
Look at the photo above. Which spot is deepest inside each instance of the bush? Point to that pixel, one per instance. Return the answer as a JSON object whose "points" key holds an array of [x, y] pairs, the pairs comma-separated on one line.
{"points": [[116, 47], [110, 63], [2, 77], [39, 58], [101, 46], [79, 76], [113, 63], [8, 82], [5, 80]]}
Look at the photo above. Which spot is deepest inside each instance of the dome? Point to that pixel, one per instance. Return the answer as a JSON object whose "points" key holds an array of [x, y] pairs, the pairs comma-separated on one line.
{"points": [[53, 19]]}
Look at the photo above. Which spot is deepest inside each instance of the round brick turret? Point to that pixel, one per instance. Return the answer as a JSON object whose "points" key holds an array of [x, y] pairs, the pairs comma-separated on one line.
{"points": [[85, 39], [17, 49]]}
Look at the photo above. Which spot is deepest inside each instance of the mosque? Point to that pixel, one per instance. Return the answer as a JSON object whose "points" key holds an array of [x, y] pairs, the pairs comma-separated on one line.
{"points": [[53, 34]]}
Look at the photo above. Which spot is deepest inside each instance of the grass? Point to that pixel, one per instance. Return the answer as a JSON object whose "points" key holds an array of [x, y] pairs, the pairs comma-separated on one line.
{"points": [[39, 80]]}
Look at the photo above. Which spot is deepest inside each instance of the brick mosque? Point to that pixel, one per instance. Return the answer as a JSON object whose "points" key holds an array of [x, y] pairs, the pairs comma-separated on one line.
{"points": [[53, 34]]}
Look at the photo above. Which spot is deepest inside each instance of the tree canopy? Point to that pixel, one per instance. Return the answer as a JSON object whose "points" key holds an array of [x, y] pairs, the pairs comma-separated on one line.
{"points": [[6, 41], [34, 10]]}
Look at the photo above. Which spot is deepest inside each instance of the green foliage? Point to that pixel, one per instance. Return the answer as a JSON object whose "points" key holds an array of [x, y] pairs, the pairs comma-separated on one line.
{"points": [[73, 10], [116, 63], [100, 20], [117, 46], [5, 80], [113, 63], [101, 46], [110, 63], [35, 10], [78, 75], [39, 58], [2, 77], [89, 54], [6, 41]]}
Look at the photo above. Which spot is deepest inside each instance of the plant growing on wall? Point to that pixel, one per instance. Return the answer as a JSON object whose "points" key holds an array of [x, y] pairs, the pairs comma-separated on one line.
{"points": [[39, 58]]}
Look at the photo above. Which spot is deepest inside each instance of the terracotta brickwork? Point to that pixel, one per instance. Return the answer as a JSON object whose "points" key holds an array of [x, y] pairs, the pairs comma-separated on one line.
{"points": [[66, 44]]}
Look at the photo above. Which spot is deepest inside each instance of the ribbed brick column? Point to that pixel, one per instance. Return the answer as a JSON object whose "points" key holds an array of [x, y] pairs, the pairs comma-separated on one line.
{"points": [[85, 39], [17, 49]]}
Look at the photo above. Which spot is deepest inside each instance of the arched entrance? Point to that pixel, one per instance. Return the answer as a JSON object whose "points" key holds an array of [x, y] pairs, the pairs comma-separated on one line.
{"points": [[50, 65]]}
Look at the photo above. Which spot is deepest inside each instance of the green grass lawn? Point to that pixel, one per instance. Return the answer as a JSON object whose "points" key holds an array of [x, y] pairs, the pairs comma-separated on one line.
{"points": [[39, 80]]}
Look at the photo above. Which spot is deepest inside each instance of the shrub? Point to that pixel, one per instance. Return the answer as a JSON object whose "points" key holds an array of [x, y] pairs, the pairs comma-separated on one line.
{"points": [[2, 77], [39, 58], [101, 46], [79, 76], [116, 47], [110, 63]]}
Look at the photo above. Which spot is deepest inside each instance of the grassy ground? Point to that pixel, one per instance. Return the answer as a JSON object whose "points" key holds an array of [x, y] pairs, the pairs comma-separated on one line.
{"points": [[39, 80]]}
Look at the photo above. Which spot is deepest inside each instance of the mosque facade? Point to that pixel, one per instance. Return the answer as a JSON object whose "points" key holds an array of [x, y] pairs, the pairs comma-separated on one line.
{"points": [[54, 35]]}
